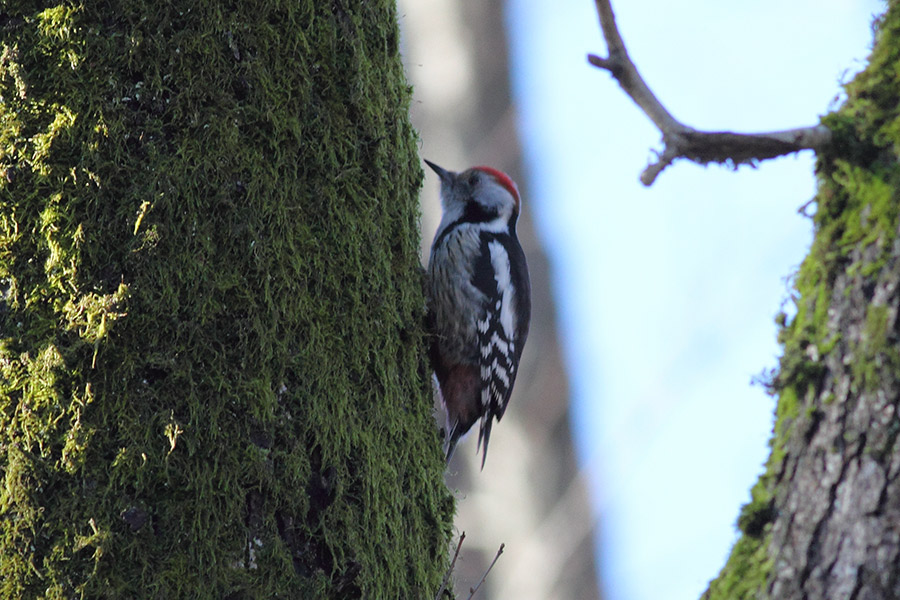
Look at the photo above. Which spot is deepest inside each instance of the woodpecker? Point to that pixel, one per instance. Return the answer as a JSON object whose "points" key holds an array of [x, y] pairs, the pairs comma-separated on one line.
{"points": [[479, 300]]}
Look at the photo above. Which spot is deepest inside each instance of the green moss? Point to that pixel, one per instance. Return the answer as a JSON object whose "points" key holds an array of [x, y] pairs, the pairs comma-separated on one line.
{"points": [[745, 572], [759, 512], [212, 376], [877, 351]]}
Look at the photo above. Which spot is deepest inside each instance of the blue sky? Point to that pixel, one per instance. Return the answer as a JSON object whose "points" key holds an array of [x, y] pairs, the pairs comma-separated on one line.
{"points": [[667, 295]]}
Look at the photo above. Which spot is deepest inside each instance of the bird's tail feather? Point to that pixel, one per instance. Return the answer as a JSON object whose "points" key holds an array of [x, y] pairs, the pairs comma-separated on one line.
{"points": [[484, 435]]}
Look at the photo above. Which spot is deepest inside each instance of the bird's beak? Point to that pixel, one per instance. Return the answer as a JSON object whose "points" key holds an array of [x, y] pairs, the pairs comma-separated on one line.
{"points": [[445, 175]]}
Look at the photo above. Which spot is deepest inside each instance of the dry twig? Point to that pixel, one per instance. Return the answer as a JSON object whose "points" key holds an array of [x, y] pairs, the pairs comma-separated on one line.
{"points": [[681, 141], [491, 566], [443, 587]]}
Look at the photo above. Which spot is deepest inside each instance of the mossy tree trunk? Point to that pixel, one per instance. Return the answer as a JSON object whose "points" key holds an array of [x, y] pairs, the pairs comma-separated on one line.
{"points": [[824, 521], [212, 381]]}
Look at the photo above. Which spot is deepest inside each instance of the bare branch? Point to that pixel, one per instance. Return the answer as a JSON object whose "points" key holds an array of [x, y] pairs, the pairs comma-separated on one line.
{"points": [[484, 577], [621, 67], [449, 572], [682, 141], [665, 159]]}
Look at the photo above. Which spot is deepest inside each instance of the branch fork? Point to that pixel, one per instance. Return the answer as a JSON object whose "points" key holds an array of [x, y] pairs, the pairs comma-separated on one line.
{"points": [[681, 141]]}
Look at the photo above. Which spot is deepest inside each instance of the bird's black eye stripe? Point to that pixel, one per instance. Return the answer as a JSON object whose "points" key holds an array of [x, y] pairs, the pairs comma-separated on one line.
{"points": [[473, 213], [477, 213]]}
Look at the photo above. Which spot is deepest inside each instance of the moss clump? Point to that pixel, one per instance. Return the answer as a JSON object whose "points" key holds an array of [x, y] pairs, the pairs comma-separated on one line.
{"points": [[746, 567], [212, 377], [858, 207]]}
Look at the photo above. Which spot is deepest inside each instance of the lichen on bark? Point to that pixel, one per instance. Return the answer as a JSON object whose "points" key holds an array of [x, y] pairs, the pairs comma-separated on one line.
{"points": [[824, 520], [212, 377]]}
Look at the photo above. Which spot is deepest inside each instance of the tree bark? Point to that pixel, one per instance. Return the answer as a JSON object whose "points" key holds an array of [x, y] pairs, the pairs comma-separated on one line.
{"points": [[824, 522], [212, 369]]}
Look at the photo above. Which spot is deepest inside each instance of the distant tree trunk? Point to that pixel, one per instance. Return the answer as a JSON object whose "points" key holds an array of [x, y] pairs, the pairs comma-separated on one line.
{"points": [[212, 377], [824, 521], [534, 475]]}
